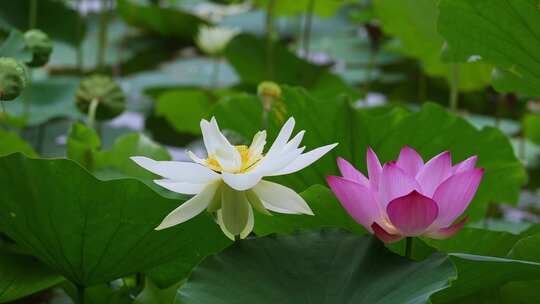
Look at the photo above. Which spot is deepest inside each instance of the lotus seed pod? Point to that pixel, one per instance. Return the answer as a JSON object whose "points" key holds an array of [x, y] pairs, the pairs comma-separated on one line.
{"points": [[40, 45], [269, 89], [108, 94], [12, 78]]}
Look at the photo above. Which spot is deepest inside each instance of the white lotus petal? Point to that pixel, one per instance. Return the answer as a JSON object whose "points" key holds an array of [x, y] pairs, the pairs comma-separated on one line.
{"points": [[219, 220], [250, 224], [190, 208], [295, 142], [241, 181], [180, 187], [257, 146], [234, 210], [283, 136], [177, 171], [306, 159], [278, 198], [196, 159], [274, 163], [213, 138]]}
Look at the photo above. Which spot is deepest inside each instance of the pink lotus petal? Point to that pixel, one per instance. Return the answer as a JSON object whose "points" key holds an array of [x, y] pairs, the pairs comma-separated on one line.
{"points": [[412, 214], [410, 161], [447, 232], [357, 199], [434, 173], [383, 235], [465, 165], [395, 183], [454, 195], [374, 168], [350, 172]]}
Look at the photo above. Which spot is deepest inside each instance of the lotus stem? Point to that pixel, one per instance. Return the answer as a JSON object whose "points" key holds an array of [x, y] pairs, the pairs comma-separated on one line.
{"points": [[80, 54], [92, 113], [41, 133], [26, 97], [215, 73], [307, 27], [80, 294], [32, 14], [269, 39], [454, 88], [103, 28], [408, 247], [3, 108]]}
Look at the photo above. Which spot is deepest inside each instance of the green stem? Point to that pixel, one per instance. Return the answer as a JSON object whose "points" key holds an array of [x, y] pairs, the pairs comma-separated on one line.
{"points": [[422, 87], [80, 294], [32, 14], [27, 96], [92, 113], [215, 73], [307, 27], [80, 54], [408, 247], [522, 148], [103, 28], [3, 108], [267, 107], [454, 88], [41, 133], [269, 39]]}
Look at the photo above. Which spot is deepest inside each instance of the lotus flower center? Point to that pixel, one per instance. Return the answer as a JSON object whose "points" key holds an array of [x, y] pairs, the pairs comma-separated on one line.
{"points": [[248, 160]]}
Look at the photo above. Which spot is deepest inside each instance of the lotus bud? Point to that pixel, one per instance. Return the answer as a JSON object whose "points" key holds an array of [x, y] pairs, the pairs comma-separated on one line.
{"points": [[269, 92], [12, 78], [104, 91], [40, 45]]}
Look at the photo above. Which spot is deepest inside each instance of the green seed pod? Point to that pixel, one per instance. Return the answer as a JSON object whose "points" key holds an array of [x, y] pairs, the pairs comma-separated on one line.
{"points": [[107, 93], [12, 78], [269, 89], [40, 45]]}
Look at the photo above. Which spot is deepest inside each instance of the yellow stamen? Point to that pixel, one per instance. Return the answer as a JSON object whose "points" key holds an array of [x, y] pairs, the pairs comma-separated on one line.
{"points": [[213, 164]]}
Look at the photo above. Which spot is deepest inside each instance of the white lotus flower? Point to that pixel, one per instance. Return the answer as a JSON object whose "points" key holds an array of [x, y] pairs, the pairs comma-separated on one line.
{"points": [[213, 40], [230, 181]]}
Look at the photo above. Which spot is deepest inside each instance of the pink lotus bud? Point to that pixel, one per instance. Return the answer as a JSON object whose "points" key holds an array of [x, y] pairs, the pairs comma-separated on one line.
{"points": [[406, 198]]}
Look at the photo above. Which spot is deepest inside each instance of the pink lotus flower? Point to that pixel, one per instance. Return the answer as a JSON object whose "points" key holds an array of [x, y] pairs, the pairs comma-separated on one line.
{"points": [[406, 198]]}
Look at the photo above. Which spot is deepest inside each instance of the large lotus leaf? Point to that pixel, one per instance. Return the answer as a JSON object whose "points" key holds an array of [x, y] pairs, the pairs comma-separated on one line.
{"points": [[133, 144], [11, 142], [328, 213], [184, 109], [22, 275], [414, 22], [250, 59], [93, 231], [527, 248], [477, 241], [152, 294], [14, 15], [168, 22], [83, 145], [48, 99], [531, 127], [502, 32], [483, 273], [329, 266], [15, 46], [430, 131]]}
